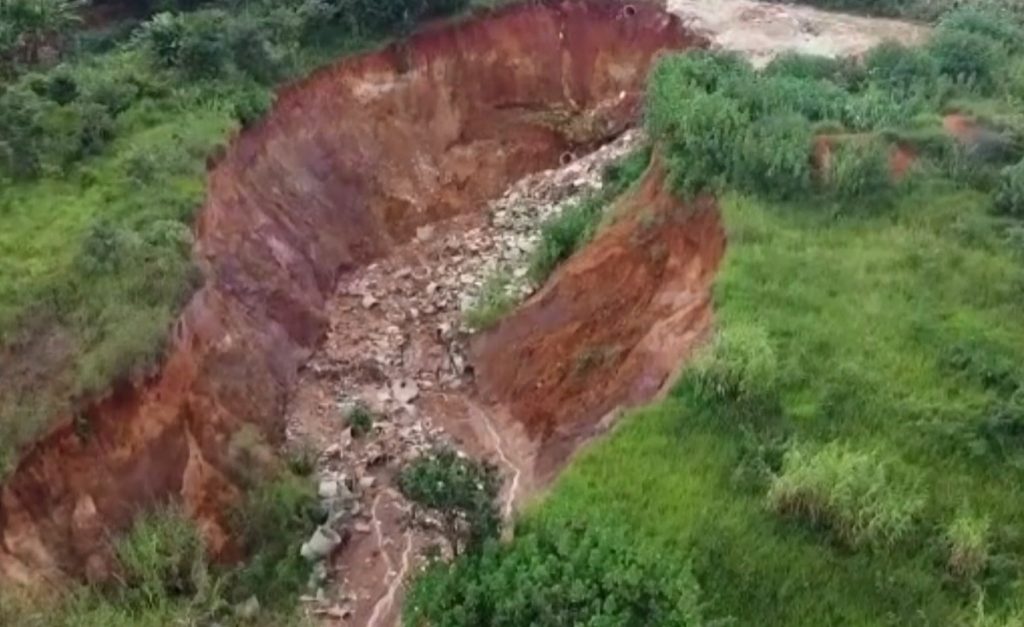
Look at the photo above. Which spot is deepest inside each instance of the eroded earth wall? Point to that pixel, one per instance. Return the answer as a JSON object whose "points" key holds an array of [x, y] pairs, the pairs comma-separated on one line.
{"points": [[349, 162]]}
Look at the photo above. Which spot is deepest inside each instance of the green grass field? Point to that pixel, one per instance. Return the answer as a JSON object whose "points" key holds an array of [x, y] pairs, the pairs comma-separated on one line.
{"points": [[864, 315]]}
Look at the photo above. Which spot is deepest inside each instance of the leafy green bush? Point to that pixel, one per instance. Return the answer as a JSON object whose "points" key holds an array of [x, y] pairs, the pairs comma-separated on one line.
{"points": [[161, 558], [1009, 198], [779, 95], [738, 367], [968, 59], [461, 491], [859, 167], [275, 518], [677, 78], [703, 142], [774, 157], [856, 495], [808, 67], [555, 575], [967, 541], [991, 22], [901, 69]]}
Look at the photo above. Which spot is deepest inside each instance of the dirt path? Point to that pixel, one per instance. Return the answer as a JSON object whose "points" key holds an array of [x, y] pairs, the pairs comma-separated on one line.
{"points": [[762, 30]]}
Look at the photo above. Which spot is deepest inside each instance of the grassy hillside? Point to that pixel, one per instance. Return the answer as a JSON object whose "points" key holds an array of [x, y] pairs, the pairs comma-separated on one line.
{"points": [[848, 449]]}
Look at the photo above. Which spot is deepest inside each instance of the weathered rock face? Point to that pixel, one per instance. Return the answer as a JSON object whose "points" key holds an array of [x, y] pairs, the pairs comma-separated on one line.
{"points": [[349, 162]]}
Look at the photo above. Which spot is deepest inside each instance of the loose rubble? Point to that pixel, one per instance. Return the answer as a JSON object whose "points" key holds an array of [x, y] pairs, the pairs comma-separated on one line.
{"points": [[398, 340]]}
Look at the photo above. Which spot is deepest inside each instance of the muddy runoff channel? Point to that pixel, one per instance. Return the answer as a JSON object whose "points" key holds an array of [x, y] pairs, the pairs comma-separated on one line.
{"points": [[339, 241]]}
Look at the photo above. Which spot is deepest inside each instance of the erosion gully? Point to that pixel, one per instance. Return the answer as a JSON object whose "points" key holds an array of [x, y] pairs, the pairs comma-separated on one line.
{"points": [[340, 240]]}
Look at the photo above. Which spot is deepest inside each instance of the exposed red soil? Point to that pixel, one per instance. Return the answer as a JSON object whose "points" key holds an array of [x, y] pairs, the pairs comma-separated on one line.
{"points": [[348, 164], [611, 327]]}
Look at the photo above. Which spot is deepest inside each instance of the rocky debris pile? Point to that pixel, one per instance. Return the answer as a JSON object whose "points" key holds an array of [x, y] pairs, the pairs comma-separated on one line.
{"points": [[517, 217], [396, 349]]}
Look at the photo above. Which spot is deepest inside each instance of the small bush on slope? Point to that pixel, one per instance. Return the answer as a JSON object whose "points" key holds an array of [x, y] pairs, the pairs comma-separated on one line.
{"points": [[1009, 198], [773, 158], [855, 495], [553, 576], [459, 490], [859, 168]]}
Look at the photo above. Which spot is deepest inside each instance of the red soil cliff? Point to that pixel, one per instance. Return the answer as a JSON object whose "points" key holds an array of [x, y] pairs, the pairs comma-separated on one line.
{"points": [[349, 162]]}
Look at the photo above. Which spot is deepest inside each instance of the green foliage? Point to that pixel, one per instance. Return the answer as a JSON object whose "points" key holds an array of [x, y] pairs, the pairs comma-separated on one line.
{"points": [[856, 495], [773, 157], [676, 78], [564, 234], [276, 516], [703, 142], [360, 420], [495, 300], [968, 59], [902, 70], [27, 26], [967, 542], [1009, 197], [991, 22], [859, 168], [161, 558], [738, 368], [577, 574], [460, 491]]}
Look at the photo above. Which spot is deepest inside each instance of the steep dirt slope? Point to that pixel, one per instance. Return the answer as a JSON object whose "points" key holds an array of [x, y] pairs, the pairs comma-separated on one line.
{"points": [[610, 328], [349, 163]]}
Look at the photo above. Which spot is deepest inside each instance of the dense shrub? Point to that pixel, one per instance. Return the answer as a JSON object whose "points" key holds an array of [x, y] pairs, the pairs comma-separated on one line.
{"points": [[557, 575], [703, 142], [676, 78], [813, 67], [859, 167], [773, 158], [161, 558], [991, 22], [778, 95], [968, 59], [274, 519], [901, 69], [856, 495], [460, 491], [1009, 198]]}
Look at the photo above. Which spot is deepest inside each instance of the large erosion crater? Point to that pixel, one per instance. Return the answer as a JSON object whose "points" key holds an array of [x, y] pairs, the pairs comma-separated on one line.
{"points": [[343, 170]]}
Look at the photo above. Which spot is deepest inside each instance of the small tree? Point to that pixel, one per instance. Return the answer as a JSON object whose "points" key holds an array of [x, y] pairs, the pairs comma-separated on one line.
{"points": [[461, 491]]}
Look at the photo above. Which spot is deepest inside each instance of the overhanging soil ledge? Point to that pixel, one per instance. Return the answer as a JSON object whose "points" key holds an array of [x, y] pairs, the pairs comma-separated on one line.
{"points": [[347, 165]]}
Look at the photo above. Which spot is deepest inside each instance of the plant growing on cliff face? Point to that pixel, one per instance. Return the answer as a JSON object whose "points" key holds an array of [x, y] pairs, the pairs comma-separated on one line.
{"points": [[495, 299], [161, 558], [461, 491]]}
